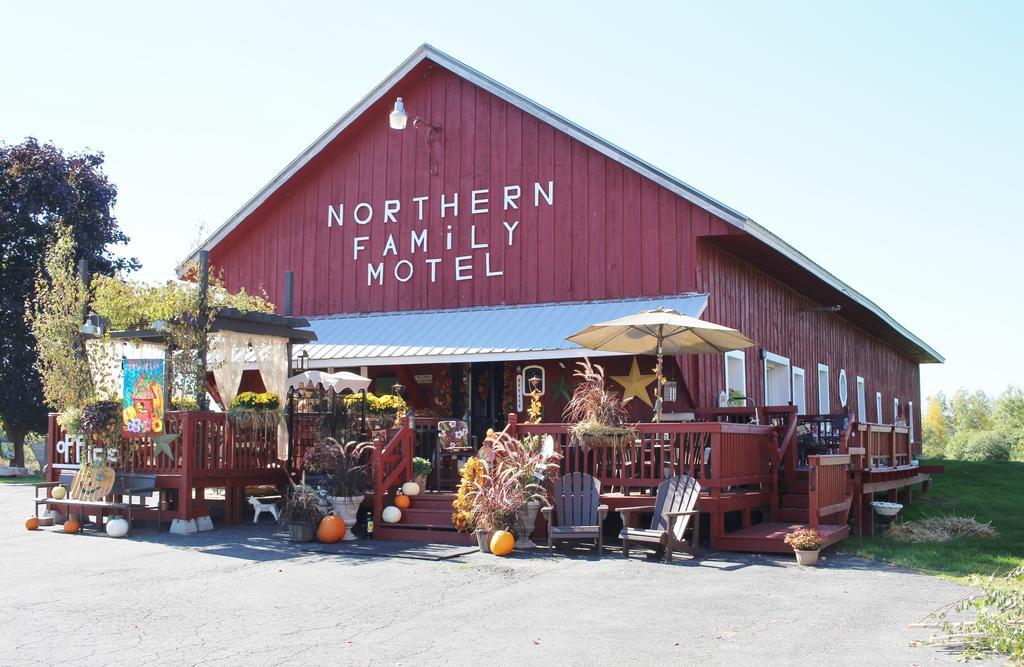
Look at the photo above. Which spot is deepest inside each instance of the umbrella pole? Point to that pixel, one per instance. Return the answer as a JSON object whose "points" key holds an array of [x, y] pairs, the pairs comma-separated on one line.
{"points": [[658, 381]]}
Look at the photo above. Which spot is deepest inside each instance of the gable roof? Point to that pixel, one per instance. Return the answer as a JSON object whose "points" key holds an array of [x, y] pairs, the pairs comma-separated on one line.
{"points": [[627, 159]]}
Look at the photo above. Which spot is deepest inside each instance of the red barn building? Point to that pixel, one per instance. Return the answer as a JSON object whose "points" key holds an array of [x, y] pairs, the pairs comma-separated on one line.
{"points": [[456, 254]]}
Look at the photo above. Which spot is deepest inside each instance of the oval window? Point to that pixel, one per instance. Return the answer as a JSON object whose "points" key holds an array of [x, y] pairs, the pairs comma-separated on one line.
{"points": [[843, 391]]}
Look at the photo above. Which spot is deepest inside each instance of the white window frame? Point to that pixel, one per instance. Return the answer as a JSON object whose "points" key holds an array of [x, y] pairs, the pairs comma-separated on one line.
{"points": [[844, 389], [799, 399], [895, 410], [862, 400], [878, 408], [824, 398], [910, 419], [741, 356], [777, 360]]}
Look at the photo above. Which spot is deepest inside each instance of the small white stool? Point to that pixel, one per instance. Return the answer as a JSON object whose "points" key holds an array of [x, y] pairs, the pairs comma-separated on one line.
{"points": [[261, 506]]}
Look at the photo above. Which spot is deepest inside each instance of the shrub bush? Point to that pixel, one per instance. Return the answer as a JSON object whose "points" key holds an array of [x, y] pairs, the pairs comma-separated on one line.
{"points": [[979, 446]]}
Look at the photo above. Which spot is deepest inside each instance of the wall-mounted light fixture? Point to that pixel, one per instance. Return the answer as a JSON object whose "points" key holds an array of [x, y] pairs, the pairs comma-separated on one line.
{"points": [[303, 358], [823, 309], [399, 119]]}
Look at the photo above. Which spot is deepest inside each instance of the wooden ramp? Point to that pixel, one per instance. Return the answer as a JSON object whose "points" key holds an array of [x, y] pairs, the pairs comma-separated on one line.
{"points": [[769, 537]]}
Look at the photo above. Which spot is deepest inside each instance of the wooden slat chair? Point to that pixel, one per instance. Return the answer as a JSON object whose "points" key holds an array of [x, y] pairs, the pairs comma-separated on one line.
{"points": [[577, 509], [674, 510]]}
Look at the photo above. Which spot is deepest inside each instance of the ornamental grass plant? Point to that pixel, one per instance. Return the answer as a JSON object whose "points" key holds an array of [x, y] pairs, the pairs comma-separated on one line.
{"points": [[598, 415], [344, 466]]}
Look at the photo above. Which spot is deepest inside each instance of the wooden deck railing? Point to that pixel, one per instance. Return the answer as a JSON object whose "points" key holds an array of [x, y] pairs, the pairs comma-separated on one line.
{"points": [[718, 454], [209, 446], [392, 464], [829, 485], [885, 445]]}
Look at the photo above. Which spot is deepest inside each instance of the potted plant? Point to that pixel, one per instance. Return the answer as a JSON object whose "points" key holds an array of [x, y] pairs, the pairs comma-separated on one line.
{"points": [[471, 477], [250, 409], [302, 514], [345, 476], [527, 462], [598, 416], [507, 494], [806, 543], [420, 471]]}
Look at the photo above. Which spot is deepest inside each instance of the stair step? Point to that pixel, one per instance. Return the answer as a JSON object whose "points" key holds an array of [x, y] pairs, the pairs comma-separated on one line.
{"points": [[769, 537], [420, 534], [795, 500], [792, 514], [418, 515]]}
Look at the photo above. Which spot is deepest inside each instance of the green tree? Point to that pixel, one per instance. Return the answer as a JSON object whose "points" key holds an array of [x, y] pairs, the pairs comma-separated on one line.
{"points": [[40, 187], [971, 411], [55, 317], [936, 427], [1009, 420]]}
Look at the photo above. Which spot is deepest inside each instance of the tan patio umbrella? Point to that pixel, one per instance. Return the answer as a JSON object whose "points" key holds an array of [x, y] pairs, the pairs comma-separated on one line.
{"points": [[339, 381], [660, 331]]}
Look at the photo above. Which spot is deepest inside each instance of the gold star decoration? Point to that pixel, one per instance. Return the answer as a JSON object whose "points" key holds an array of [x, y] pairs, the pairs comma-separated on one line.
{"points": [[635, 384]]}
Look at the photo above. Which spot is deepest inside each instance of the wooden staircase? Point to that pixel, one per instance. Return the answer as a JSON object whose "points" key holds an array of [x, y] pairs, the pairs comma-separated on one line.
{"points": [[428, 519], [793, 513]]}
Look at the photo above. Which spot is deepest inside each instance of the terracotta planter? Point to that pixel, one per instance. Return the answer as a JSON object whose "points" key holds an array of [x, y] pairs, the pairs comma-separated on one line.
{"points": [[301, 532], [483, 540], [806, 558], [348, 510], [526, 519]]}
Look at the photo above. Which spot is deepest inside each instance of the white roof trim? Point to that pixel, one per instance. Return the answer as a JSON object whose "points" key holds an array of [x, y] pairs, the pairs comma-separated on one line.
{"points": [[426, 51], [524, 355]]}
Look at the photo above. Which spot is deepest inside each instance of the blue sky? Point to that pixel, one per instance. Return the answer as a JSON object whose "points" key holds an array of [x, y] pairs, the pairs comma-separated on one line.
{"points": [[884, 140]]}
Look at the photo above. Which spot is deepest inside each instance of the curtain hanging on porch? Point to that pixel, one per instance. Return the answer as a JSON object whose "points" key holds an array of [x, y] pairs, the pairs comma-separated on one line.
{"points": [[272, 362], [227, 359]]}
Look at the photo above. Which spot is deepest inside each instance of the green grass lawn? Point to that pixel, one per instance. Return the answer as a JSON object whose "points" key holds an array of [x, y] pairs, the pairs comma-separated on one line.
{"points": [[34, 479], [990, 492]]}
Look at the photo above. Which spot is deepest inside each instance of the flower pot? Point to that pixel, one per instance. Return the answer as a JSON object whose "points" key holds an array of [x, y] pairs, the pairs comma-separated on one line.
{"points": [[348, 510], [526, 519], [301, 532], [483, 540], [422, 481], [806, 558]]}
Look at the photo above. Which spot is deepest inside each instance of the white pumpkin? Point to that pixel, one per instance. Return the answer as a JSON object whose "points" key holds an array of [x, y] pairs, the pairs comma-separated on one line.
{"points": [[391, 514], [411, 488], [117, 527], [59, 493]]}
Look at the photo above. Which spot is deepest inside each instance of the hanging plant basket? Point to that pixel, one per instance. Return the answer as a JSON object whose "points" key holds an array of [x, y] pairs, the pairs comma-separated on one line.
{"points": [[603, 436], [255, 418]]}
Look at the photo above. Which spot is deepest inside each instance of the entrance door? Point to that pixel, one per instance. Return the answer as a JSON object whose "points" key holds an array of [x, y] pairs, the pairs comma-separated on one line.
{"points": [[486, 390]]}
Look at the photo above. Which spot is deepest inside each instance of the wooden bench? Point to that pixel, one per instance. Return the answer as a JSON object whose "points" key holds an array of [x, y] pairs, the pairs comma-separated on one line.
{"points": [[127, 485]]}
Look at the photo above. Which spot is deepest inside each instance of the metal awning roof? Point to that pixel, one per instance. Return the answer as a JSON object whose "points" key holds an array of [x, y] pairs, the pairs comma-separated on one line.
{"points": [[494, 333]]}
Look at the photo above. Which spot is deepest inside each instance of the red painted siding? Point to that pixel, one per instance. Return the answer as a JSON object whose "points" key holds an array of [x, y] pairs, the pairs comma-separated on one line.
{"points": [[610, 233], [775, 316]]}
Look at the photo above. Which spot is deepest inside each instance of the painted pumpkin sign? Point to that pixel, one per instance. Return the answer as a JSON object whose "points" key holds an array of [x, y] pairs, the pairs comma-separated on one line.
{"points": [[142, 404]]}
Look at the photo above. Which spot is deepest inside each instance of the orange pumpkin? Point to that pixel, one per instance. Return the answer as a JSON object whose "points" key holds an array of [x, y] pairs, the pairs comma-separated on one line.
{"points": [[402, 502], [32, 523], [72, 526], [332, 529], [502, 543]]}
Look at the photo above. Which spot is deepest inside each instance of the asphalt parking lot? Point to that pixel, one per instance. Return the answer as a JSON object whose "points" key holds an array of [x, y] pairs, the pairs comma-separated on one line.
{"points": [[246, 596]]}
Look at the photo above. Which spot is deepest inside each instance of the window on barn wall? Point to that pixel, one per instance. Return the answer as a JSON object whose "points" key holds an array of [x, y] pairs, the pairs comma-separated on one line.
{"points": [[895, 410], [823, 402], [777, 380], [878, 408], [910, 419], [862, 405], [844, 390], [800, 390], [736, 372]]}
